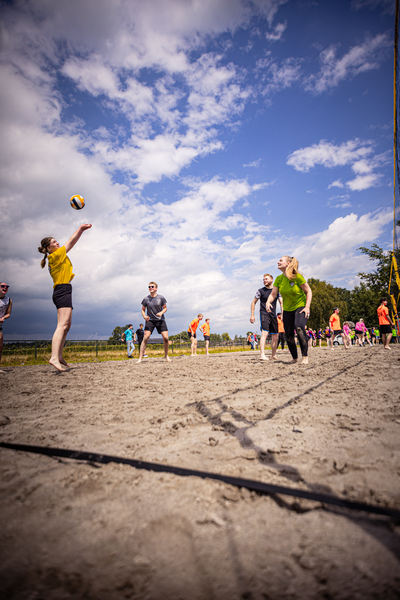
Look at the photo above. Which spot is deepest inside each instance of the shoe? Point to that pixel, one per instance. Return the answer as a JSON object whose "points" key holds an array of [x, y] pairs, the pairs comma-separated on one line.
{"points": [[145, 356]]}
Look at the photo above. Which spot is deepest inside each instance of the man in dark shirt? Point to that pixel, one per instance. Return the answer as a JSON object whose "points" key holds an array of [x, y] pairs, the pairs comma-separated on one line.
{"points": [[268, 321], [139, 333], [156, 306]]}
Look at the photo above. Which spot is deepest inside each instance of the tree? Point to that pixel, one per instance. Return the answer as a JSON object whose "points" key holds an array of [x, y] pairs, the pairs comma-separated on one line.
{"points": [[117, 333], [363, 305], [182, 336], [325, 298], [225, 337], [378, 280], [215, 338]]}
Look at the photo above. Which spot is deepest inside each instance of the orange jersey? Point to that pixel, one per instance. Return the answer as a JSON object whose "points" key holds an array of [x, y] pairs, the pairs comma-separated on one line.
{"points": [[193, 326], [334, 322], [383, 313], [205, 329], [281, 328]]}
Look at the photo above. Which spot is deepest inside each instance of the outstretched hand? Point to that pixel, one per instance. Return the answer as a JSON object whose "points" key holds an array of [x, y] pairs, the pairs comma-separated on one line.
{"points": [[85, 226]]}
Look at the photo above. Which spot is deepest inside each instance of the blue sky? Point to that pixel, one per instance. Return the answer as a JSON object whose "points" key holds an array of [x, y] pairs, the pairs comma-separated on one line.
{"points": [[208, 139]]}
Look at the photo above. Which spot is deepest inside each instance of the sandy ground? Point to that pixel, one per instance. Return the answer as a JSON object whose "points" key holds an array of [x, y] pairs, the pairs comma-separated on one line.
{"points": [[76, 530]]}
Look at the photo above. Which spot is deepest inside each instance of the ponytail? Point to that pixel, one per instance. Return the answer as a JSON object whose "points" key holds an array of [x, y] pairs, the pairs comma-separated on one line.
{"points": [[43, 249], [293, 268]]}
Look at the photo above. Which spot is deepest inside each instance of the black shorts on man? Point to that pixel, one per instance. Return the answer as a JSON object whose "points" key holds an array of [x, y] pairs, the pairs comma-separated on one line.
{"points": [[192, 335], [206, 338], [385, 329], [269, 323], [160, 325]]}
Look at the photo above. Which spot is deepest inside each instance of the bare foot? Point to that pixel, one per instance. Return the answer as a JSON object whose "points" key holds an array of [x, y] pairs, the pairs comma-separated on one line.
{"points": [[167, 358], [1, 371], [56, 363], [293, 362], [305, 360], [263, 357], [274, 358], [139, 361], [386, 348], [64, 362]]}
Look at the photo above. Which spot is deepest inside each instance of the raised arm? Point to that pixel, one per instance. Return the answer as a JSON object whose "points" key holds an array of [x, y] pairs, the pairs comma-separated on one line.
{"points": [[75, 236]]}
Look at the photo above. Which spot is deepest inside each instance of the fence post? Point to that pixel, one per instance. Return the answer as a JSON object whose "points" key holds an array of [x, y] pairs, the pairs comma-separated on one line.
{"points": [[35, 349]]}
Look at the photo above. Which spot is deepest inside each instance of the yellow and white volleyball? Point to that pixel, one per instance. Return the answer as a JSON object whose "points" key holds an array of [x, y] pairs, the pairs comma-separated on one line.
{"points": [[77, 202]]}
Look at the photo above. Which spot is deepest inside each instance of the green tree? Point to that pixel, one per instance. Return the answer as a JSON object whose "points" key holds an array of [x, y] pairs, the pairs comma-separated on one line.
{"points": [[183, 336], [215, 338], [117, 333], [225, 337], [378, 279], [363, 304], [325, 298]]}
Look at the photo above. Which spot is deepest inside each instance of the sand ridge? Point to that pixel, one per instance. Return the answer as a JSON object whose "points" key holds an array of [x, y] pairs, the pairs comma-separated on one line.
{"points": [[82, 531]]}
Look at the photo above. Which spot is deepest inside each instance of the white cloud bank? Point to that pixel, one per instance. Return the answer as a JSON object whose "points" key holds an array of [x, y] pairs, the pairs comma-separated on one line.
{"points": [[356, 153]]}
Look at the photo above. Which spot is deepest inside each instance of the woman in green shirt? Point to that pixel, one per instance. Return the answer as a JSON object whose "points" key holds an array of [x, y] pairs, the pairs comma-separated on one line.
{"points": [[296, 295]]}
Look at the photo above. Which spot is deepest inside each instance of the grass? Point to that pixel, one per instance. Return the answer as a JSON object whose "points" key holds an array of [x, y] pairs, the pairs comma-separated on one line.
{"points": [[72, 354]]}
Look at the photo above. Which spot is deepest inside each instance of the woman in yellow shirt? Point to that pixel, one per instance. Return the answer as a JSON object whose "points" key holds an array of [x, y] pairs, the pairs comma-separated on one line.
{"points": [[60, 268]]}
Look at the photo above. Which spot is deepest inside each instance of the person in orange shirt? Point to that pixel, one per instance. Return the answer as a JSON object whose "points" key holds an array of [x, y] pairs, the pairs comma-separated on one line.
{"points": [[192, 333], [206, 332], [334, 324], [281, 331], [385, 323]]}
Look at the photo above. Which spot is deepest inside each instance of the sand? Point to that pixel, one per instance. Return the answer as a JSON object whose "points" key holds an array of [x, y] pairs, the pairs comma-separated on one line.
{"points": [[77, 530]]}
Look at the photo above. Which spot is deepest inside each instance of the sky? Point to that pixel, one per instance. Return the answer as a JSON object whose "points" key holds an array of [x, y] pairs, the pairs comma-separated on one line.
{"points": [[208, 138]]}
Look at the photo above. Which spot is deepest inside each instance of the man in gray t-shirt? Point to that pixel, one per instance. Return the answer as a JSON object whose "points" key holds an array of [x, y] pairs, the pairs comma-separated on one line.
{"points": [[156, 306]]}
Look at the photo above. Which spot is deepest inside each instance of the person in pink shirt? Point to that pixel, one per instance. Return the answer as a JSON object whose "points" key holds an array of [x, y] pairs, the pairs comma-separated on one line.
{"points": [[346, 335], [360, 332]]}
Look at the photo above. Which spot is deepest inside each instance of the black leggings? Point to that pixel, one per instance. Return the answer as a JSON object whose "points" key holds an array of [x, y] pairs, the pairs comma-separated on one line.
{"points": [[296, 320], [282, 340]]}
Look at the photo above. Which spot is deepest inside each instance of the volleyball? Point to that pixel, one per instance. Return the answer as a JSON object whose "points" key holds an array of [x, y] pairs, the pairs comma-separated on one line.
{"points": [[77, 202]]}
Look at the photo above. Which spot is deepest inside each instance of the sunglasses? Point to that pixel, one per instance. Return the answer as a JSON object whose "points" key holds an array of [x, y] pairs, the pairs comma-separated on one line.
{"points": [[152, 286], [5, 287]]}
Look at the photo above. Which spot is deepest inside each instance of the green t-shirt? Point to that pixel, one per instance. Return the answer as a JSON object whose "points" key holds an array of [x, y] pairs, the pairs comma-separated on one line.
{"points": [[292, 295]]}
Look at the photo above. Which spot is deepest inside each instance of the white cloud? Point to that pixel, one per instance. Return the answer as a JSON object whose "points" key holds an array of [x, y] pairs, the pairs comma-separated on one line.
{"points": [[336, 183], [277, 78], [358, 59], [254, 163], [330, 254], [277, 33], [329, 155], [363, 182], [355, 153]]}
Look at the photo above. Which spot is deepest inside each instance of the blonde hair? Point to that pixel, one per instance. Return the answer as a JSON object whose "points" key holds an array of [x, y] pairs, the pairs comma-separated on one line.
{"points": [[267, 275], [207, 319], [43, 249], [293, 268], [199, 315], [153, 283]]}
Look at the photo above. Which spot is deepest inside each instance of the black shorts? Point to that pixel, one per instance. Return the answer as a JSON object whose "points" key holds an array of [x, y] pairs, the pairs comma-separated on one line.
{"points": [[62, 295], [206, 338], [337, 332], [385, 329], [269, 323], [192, 335], [159, 325]]}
